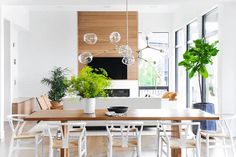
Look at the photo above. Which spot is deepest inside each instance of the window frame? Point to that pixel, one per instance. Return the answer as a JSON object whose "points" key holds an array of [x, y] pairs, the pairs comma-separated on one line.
{"points": [[168, 69], [204, 35]]}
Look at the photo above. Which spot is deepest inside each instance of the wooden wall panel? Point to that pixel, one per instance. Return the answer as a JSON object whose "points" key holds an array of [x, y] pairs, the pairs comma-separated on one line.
{"points": [[103, 23]]}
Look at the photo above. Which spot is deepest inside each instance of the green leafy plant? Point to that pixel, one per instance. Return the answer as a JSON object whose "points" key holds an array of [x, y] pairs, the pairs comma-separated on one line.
{"points": [[56, 83], [90, 83], [197, 58]]}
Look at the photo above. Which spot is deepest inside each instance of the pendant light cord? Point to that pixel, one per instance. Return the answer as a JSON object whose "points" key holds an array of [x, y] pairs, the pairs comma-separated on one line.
{"points": [[127, 24]]}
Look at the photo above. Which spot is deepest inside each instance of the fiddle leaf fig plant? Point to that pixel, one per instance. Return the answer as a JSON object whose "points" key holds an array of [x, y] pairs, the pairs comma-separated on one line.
{"points": [[90, 83], [196, 59]]}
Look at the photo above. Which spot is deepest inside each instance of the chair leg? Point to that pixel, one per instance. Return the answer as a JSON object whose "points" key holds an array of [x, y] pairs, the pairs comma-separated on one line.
{"points": [[161, 148], [42, 149], [168, 151], [225, 152], [197, 152], [158, 141], [79, 151], [207, 146], [36, 146], [139, 150], [85, 146], [110, 148], [50, 152], [232, 145], [11, 147]]}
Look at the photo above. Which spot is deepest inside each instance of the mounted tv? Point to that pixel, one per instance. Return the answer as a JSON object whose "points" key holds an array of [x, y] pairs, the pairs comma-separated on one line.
{"points": [[113, 65]]}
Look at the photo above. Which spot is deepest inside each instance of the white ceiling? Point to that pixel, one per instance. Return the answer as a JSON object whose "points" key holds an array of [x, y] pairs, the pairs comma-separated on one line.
{"points": [[163, 6]]}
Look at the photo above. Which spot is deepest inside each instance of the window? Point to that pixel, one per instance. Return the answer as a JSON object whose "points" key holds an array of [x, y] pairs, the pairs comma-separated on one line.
{"points": [[153, 66], [210, 33], [180, 72], [193, 93]]}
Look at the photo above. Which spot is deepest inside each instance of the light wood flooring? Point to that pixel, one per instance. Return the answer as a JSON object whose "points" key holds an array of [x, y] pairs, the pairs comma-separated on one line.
{"points": [[97, 147]]}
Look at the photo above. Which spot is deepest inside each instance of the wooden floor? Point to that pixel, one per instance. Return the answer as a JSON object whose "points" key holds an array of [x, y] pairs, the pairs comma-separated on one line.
{"points": [[97, 147]]}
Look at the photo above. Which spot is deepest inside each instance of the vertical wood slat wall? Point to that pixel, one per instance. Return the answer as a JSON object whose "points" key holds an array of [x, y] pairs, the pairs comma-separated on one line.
{"points": [[103, 23]]}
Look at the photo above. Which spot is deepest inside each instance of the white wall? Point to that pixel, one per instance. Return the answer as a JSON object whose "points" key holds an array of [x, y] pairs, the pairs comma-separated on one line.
{"points": [[7, 68], [190, 11], [227, 56], [155, 22], [18, 15], [49, 42], [1, 78]]}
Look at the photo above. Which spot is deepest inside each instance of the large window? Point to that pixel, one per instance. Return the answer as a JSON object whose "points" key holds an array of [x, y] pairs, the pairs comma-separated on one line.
{"points": [[209, 30], [193, 93], [210, 33], [180, 72], [153, 65]]}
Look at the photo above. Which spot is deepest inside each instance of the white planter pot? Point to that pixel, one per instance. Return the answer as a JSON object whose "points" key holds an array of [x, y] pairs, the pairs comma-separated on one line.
{"points": [[89, 105]]}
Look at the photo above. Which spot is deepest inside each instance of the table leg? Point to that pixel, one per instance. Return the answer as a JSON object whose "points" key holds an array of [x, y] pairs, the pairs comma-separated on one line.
{"points": [[175, 133], [64, 151]]}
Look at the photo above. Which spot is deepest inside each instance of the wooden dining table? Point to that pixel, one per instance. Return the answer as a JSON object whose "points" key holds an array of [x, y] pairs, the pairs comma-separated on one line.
{"points": [[176, 115]]}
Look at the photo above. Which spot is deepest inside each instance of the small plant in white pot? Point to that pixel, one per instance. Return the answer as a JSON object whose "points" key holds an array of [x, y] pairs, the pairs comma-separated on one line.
{"points": [[89, 84]]}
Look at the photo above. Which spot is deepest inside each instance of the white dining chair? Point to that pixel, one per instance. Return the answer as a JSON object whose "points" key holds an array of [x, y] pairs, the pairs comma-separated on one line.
{"points": [[185, 139], [72, 136], [20, 137], [218, 138], [124, 134]]}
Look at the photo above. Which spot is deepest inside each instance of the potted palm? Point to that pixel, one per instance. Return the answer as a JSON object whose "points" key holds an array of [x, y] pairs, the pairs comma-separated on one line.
{"points": [[57, 86], [89, 84], [195, 61]]}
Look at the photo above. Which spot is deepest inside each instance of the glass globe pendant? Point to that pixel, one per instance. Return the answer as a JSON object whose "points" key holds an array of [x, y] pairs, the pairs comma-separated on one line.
{"points": [[85, 57], [125, 50], [128, 60], [114, 37], [90, 38]]}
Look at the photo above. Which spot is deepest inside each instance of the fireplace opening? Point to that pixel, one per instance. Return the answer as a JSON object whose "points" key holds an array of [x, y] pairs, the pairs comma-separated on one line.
{"points": [[118, 92]]}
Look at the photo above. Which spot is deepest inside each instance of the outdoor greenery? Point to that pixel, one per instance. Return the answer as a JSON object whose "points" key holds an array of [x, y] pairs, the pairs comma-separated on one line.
{"points": [[56, 83], [197, 58], [90, 83]]}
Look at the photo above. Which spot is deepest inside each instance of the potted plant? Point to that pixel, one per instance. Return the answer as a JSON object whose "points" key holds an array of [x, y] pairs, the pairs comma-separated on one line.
{"points": [[57, 86], [195, 61], [89, 84]]}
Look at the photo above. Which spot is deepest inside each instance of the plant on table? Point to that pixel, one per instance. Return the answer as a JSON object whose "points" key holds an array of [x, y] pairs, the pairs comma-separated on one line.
{"points": [[90, 83]]}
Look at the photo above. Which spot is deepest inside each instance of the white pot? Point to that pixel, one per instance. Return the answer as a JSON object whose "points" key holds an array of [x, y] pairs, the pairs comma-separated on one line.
{"points": [[89, 105]]}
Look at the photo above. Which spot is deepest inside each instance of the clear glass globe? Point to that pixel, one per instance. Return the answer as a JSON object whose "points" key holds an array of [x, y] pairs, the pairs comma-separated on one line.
{"points": [[85, 57], [114, 37], [90, 38], [128, 60], [125, 50]]}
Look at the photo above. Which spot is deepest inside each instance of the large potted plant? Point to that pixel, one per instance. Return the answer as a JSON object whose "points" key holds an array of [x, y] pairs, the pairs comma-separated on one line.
{"points": [[195, 61], [89, 84], [57, 86]]}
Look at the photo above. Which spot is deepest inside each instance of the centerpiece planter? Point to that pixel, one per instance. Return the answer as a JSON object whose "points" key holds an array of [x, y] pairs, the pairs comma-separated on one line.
{"points": [[89, 84], [89, 105]]}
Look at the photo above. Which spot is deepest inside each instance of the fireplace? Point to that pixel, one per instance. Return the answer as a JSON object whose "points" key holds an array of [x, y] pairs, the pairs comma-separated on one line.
{"points": [[118, 92]]}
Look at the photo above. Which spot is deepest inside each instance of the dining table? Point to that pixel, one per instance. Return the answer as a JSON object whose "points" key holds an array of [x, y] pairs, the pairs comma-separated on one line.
{"points": [[175, 115]]}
